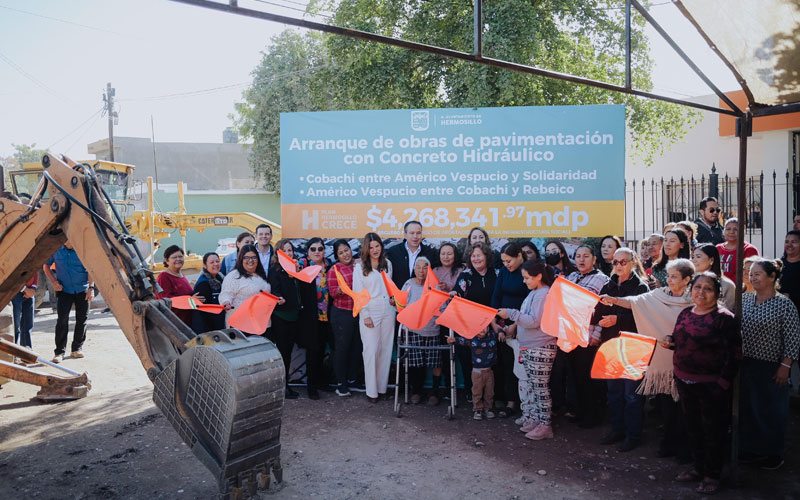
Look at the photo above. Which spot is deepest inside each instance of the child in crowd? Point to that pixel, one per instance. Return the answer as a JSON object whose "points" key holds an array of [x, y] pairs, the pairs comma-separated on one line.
{"points": [[484, 356]]}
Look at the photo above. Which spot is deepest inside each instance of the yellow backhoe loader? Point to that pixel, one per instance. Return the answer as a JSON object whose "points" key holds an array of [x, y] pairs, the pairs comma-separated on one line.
{"points": [[149, 225], [221, 391]]}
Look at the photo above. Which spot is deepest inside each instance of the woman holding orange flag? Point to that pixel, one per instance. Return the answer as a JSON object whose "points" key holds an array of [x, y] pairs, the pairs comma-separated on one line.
{"points": [[625, 406], [285, 317], [346, 339], [377, 318], [537, 350]]}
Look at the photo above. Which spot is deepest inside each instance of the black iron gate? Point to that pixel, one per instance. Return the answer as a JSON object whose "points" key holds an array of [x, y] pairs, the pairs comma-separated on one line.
{"points": [[772, 200]]}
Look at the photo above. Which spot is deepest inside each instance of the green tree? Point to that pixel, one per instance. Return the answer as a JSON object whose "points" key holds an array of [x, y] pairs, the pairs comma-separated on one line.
{"points": [[24, 153], [581, 37]]}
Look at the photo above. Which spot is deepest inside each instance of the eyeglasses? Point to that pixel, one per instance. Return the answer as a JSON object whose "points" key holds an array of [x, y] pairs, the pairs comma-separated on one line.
{"points": [[616, 262], [250, 258], [316, 249], [714, 210]]}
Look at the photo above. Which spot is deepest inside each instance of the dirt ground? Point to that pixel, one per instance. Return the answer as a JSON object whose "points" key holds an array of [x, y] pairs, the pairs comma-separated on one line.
{"points": [[116, 444]]}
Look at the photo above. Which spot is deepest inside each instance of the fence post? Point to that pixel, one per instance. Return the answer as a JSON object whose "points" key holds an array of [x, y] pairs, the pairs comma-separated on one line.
{"points": [[713, 182]]}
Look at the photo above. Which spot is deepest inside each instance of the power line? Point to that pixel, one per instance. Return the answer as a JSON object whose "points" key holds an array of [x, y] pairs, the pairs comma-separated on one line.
{"points": [[75, 129], [27, 75], [233, 86], [304, 11], [60, 20], [83, 133]]}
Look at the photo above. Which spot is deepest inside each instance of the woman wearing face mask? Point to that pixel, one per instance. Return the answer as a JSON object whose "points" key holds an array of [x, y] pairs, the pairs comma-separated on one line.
{"points": [[208, 286], [625, 406], [509, 292], [285, 317], [346, 339], [556, 256], [771, 343], [676, 246], [588, 392], [229, 262], [705, 257], [608, 245], [727, 250], [655, 314], [475, 283]]}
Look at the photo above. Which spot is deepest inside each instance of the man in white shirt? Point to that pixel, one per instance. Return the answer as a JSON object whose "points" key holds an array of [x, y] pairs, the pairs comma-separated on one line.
{"points": [[263, 238], [404, 256]]}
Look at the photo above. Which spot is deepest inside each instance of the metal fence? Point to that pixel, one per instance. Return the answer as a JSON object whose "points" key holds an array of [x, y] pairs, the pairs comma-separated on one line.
{"points": [[772, 201]]}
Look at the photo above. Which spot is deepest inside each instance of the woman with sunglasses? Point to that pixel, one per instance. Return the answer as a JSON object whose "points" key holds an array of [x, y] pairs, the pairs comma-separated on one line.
{"points": [[625, 406], [315, 329], [246, 279]]}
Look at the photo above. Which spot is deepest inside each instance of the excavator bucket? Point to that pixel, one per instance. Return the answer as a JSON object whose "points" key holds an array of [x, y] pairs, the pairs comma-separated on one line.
{"points": [[224, 396]]}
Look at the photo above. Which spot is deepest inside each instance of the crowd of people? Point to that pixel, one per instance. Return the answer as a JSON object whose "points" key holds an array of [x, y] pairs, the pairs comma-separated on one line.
{"points": [[678, 287]]}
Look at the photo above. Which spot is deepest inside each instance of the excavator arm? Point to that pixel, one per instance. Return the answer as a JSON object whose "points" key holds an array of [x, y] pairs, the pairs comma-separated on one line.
{"points": [[222, 391]]}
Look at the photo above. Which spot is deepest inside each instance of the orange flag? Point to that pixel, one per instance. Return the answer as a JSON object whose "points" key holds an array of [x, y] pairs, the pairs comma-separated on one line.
{"points": [[626, 356], [360, 299], [400, 297], [254, 313], [188, 302], [419, 313], [431, 281], [567, 312], [307, 274], [465, 317]]}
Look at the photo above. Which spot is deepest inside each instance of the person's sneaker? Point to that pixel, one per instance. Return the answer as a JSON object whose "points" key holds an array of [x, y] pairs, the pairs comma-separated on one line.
{"points": [[416, 399], [490, 414], [468, 399], [356, 387], [477, 415], [313, 393], [58, 358], [612, 437], [772, 463], [540, 432], [529, 426], [519, 421], [288, 393], [627, 445], [77, 354], [343, 392], [433, 401]]}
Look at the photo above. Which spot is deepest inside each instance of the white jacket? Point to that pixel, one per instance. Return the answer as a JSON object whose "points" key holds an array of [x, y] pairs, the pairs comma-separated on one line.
{"points": [[237, 289], [379, 305]]}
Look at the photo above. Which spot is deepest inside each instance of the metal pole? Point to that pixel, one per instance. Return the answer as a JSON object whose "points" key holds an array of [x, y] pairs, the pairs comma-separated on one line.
{"points": [[445, 52], [477, 33], [110, 106], [744, 129], [628, 78]]}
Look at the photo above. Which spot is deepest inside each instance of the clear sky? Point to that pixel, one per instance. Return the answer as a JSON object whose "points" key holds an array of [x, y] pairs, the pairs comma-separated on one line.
{"points": [[185, 66]]}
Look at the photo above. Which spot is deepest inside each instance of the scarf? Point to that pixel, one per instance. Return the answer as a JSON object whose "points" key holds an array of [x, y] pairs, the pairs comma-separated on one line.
{"points": [[214, 282], [655, 314]]}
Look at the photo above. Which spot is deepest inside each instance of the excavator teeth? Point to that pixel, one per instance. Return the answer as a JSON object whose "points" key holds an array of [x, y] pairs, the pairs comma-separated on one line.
{"points": [[225, 400]]}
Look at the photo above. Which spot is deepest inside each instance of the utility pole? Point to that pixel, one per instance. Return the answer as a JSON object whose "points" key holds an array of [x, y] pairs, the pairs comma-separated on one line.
{"points": [[108, 99]]}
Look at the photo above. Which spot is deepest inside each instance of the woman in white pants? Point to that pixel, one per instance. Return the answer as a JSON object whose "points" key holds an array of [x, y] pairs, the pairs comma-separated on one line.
{"points": [[376, 320]]}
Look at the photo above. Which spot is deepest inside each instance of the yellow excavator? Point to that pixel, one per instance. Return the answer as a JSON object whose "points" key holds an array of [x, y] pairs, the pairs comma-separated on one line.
{"points": [[149, 225], [221, 391]]}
